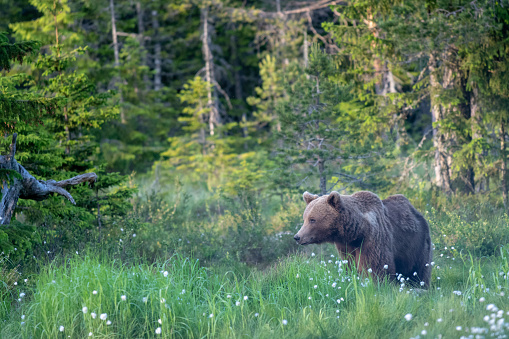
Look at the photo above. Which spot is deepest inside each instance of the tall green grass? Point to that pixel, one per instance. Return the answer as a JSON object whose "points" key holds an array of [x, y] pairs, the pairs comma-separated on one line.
{"points": [[302, 296]]}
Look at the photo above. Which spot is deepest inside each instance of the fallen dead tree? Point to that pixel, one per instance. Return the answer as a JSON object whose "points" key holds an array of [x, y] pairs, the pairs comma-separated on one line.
{"points": [[18, 183]]}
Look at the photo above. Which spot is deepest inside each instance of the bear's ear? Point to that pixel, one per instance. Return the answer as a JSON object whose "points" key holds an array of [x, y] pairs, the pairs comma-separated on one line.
{"points": [[334, 200], [308, 197]]}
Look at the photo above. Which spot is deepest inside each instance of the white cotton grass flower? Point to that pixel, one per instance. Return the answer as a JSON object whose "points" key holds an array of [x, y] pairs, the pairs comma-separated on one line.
{"points": [[165, 274], [285, 322], [386, 267], [158, 330], [237, 303], [160, 321], [163, 300], [408, 317], [211, 315], [93, 315], [370, 270], [61, 328], [458, 328], [94, 292], [245, 297], [313, 254], [90, 334], [145, 299], [84, 309], [229, 296], [103, 316], [108, 323], [482, 299], [424, 332], [21, 295], [134, 235], [256, 314], [422, 283], [123, 297], [439, 320], [22, 317], [315, 287]]}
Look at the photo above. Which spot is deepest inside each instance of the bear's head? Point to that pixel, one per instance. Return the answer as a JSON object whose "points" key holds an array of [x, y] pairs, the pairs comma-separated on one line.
{"points": [[322, 219]]}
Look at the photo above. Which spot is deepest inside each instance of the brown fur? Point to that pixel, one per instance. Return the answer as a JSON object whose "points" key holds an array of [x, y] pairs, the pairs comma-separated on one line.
{"points": [[370, 231]]}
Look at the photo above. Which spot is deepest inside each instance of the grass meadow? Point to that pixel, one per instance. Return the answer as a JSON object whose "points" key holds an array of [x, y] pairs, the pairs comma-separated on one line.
{"points": [[299, 296], [238, 274]]}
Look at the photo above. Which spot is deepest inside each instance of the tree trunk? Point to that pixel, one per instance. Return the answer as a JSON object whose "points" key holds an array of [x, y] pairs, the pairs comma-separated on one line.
{"points": [[21, 184], [141, 34], [212, 103], [476, 122], [157, 52], [238, 86], [323, 177], [503, 167], [116, 55], [441, 165]]}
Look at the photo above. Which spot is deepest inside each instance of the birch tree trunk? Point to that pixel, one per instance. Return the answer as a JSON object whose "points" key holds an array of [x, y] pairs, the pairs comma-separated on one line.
{"points": [[157, 52], [212, 103]]}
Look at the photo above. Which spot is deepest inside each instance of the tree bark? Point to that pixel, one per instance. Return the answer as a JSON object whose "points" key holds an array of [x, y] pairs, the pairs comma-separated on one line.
{"points": [[212, 103], [476, 122], [441, 163], [238, 86], [28, 187], [141, 35], [323, 177], [503, 167], [157, 52]]}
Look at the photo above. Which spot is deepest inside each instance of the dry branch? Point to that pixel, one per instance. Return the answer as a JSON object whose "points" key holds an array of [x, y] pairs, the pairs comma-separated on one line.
{"points": [[29, 187]]}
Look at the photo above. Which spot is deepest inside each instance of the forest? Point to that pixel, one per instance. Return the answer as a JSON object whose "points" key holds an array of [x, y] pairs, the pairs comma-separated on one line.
{"points": [[153, 157]]}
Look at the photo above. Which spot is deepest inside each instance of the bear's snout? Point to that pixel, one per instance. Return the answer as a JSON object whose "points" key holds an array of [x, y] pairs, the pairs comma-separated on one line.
{"points": [[296, 237]]}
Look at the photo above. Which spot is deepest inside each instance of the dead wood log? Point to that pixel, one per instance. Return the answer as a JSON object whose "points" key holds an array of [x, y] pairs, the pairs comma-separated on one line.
{"points": [[25, 186]]}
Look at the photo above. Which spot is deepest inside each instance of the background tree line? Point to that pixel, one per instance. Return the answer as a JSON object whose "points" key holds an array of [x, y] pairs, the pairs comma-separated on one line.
{"points": [[249, 97]]}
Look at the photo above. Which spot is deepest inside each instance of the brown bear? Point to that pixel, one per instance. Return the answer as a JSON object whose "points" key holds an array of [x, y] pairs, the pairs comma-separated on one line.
{"points": [[389, 236]]}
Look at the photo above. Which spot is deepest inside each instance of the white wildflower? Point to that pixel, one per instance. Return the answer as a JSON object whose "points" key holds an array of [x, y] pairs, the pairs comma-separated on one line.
{"points": [[408, 317], [108, 323], [94, 292], [61, 328], [93, 315], [458, 328], [84, 309], [158, 330], [123, 297], [285, 322], [90, 334], [386, 267], [237, 303], [482, 299], [145, 299], [103, 316], [165, 273], [424, 332], [256, 314], [160, 321]]}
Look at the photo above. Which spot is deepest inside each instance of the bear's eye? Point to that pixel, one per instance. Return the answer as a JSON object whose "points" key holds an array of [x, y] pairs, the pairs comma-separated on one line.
{"points": [[312, 221]]}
